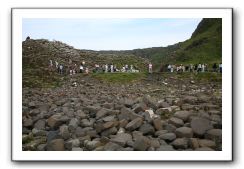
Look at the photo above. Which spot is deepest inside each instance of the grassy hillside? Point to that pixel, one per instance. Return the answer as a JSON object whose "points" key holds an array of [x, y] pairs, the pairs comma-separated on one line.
{"points": [[204, 46]]}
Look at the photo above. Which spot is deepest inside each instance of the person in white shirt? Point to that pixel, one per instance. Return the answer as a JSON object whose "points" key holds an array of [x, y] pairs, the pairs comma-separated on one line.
{"points": [[220, 67], [112, 68], [150, 67], [81, 68], [106, 68], [169, 68]]}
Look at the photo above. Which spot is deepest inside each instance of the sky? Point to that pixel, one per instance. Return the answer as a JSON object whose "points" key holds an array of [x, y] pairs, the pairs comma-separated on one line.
{"points": [[111, 34]]}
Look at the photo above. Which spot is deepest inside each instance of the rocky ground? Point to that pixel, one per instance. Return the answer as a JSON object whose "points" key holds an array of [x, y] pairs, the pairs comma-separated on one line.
{"points": [[153, 114]]}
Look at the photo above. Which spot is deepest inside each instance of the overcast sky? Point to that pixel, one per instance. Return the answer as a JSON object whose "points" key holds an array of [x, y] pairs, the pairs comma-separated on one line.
{"points": [[111, 34]]}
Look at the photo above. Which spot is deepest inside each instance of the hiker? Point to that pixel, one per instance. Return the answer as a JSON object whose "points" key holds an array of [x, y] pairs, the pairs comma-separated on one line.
{"points": [[183, 68], [81, 68], [131, 68], [172, 68], [87, 70], [199, 67], [56, 63], [111, 68], [123, 69], [126, 68], [74, 69], [169, 68], [106, 68], [61, 67], [191, 67], [115, 68], [50, 63], [150, 67], [220, 67], [96, 68], [203, 67], [215, 67]]}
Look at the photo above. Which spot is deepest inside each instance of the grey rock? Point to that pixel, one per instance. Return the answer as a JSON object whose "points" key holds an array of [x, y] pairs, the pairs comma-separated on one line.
{"points": [[147, 129], [91, 145], [214, 134], [72, 143], [55, 121], [141, 143], [53, 135], [190, 99], [73, 124], [157, 123], [193, 143], [176, 122], [64, 132], [169, 127], [154, 143], [109, 131], [180, 143], [206, 143], [150, 102], [163, 104], [40, 124], [28, 122], [110, 146], [37, 132], [87, 123], [183, 115], [160, 132], [200, 126], [184, 132], [81, 114], [102, 113], [128, 102], [140, 107], [109, 118], [55, 145], [122, 139], [168, 136], [134, 124], [79, 132]]}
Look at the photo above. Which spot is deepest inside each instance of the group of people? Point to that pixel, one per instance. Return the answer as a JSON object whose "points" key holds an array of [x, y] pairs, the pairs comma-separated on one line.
{"points": [[194, 68], [72, 68]]}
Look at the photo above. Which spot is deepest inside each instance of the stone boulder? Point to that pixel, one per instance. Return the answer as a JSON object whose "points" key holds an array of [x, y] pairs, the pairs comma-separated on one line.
{"points": [[184, 132], [55, 145], [168, 136], [206, 143], [214, 134], [134, 124], [183, 115], [200, 126], [122, 139], [142, 143], [176, 122], [147, 129], [180, 143]]}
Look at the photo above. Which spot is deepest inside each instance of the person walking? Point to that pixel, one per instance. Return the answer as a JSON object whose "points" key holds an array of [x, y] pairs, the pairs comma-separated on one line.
{"points": [[150, 68]]}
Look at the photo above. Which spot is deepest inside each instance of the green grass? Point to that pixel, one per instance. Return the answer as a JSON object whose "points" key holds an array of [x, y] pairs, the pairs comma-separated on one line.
{"points": [[35, 78], [119, 77]]}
